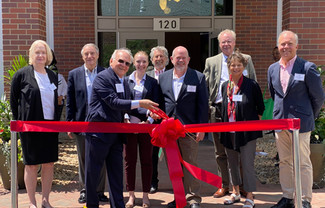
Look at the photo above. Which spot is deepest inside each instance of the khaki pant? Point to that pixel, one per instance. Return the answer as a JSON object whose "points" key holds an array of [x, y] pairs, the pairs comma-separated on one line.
{"points": [[284, 143]]}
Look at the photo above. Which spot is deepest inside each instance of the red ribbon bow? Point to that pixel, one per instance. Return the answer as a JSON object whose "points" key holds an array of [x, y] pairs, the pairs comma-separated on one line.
{"points": [[165, 135]]}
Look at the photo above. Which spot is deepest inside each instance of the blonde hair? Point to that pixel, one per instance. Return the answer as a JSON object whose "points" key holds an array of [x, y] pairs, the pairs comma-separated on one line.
{"points": [[49, 56], [142, 53]]}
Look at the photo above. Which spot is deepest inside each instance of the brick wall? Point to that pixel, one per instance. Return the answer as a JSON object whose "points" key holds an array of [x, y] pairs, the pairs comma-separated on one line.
{"points": [[307, 19], [23, 22], [73, 27], [256, 33]]}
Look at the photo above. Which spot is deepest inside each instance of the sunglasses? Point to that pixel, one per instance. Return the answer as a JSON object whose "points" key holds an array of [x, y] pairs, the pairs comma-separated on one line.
{"points": [[124, 62]]}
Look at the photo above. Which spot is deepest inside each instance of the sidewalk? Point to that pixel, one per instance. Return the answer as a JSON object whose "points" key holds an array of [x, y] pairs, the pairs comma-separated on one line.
{"points": [[66, 196]]}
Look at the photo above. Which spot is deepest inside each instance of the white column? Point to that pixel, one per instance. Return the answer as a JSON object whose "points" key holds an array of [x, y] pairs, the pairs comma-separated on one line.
{"points": [[49, 24]]}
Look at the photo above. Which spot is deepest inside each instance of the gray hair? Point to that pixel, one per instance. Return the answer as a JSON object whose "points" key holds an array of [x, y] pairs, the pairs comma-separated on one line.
{"points": [[89, 44], [128, 51], [231, 32], [159, 48], [286, 31]]}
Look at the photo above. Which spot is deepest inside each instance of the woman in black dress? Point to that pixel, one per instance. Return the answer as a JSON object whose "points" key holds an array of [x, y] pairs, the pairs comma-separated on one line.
{"points": [[33, 97]]}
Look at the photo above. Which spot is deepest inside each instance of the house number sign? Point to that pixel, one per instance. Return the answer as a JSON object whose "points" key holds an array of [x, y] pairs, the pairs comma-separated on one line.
{"points": [[166, 24]]}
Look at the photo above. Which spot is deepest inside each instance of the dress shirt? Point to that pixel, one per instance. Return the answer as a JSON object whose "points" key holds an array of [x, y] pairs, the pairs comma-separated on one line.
{"points": [[177, 84], [47, 94], [138, 89], [90, 76], [285, 72], [134, 103], [224, 77], [157, 72], [62, 88]]}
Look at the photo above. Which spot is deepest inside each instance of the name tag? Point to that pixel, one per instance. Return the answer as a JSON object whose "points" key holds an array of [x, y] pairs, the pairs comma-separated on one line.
{"points": [[52, 87], [238, 98], [191, 88], [119, 88], [299, 77], [138, 88], [245, 72]]}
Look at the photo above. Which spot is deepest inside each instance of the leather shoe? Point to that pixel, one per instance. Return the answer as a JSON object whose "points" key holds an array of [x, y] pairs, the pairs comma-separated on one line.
{"points": [[82, 198], [153, 189], [306, 204], [284, 203], [221, 192], [171, 204], [195, 205], [102, 197]]}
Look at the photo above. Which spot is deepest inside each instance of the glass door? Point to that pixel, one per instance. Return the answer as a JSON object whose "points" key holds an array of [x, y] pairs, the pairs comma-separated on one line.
{"points": [[141, 41]]}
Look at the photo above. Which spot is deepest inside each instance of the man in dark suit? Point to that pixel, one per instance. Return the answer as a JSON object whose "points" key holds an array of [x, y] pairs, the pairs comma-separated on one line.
{"points": [[80, 82], [159, 60], [186, 98], [110, 99], [296, 88], [216, 73]]}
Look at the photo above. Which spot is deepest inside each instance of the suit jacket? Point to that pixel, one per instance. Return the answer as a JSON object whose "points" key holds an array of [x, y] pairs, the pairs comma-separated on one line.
{"points": [[212, 72], [248, 109], [151, 73], [191, 106], [108, 102], [150, 91], [25, 96], [304, 96], [77, 103]]}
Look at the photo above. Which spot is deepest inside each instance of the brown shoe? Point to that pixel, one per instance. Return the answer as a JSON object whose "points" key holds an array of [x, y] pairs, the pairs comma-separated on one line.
{"points": [[221, 192]]}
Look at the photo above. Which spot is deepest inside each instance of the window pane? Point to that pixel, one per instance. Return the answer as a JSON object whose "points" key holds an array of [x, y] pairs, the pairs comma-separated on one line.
{"points": [[164, 7], [223, 7], [106, 45], [106, 7]]}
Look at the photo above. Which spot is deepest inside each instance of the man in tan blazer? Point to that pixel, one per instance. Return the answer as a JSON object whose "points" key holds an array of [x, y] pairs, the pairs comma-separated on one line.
{"points": [[216, 72]]}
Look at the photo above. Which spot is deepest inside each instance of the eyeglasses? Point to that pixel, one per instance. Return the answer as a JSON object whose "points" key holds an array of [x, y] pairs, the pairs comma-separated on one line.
{"points": [[124, 62]]}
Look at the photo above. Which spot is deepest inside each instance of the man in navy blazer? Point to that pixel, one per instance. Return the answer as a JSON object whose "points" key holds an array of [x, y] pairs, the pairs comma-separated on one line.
{"points": [[110, 99], [296, 88], [80, 82], [186, 98]]}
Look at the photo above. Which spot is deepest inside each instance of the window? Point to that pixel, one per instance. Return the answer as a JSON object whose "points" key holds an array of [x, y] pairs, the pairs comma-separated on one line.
{"points": [[106, 45]]}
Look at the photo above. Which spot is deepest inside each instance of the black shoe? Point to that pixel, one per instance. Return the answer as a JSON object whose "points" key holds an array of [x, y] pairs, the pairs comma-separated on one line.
{"points": [[171, 204], [82, 198], [153, 189], [195, 205], [102, 197], [284, 203], [306, 204]]}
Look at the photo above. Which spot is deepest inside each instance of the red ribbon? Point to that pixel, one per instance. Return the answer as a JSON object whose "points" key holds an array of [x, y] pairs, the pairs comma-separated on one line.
{"points": [[164, 135]]}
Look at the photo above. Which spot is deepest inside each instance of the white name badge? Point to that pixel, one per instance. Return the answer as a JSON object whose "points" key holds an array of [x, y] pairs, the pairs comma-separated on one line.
{"points": [[52, 87], [119, 88], [245, 72], [138, 88], [238, 98], [191, 88], [299, 77]]}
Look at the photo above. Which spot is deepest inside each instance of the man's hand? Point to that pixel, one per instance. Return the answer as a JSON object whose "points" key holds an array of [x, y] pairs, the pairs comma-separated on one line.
{"points": [[199, 136], [148, 104], [154, 116]]}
